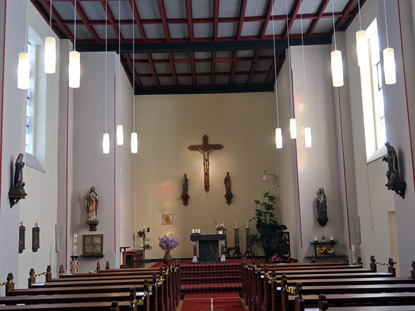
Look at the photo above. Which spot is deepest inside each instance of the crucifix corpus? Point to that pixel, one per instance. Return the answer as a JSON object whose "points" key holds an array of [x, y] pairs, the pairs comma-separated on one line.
{"points": [[205, 149]]}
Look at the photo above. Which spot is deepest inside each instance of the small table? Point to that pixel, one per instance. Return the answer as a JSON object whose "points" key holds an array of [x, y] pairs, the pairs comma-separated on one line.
{"points": [[208, 247]]}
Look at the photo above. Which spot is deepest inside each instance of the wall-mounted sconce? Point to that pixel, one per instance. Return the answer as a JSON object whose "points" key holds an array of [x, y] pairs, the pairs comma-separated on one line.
{"points": [[265, 177]]}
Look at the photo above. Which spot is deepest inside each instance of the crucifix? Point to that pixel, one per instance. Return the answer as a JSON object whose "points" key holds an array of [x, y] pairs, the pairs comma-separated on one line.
{"points": [[205, 149]]}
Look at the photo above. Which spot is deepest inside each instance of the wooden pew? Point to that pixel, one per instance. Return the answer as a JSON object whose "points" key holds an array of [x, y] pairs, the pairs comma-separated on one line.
{"points": [[324, 306], [84, 306]]}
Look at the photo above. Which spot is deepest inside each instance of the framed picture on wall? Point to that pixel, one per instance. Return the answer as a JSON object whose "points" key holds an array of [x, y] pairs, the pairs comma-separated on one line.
{"points": [[167, 219], [93, 244], [35, 238]]}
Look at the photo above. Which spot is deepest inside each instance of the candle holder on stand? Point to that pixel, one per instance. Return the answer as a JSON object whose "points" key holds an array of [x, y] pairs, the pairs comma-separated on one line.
{"points": [[236, 249], [248, 243], [74, 264]]}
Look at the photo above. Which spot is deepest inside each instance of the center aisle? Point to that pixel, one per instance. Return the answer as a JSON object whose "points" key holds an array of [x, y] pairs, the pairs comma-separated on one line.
{"points": [[212, 302]]}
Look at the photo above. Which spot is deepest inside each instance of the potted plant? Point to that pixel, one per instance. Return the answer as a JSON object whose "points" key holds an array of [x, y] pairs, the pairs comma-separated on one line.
{"points": [[220, 228], [266, 225], [167, 243], [144, 245]]}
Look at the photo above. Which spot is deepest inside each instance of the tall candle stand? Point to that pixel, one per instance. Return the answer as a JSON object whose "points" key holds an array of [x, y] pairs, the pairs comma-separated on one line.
{"points": [[248, 243], [236, 249]]}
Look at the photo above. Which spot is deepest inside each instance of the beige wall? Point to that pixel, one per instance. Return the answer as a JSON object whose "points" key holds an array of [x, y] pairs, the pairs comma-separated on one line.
{"points": [[243, 123]]}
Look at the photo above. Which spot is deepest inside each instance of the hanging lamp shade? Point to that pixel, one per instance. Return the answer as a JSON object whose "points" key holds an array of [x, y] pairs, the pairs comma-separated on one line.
{"points": [[278, 138], [134, 142], [307, 135], [120, 135], [50, 55], [337, 68], [293, 128], [362, 47], [23, 71], [389, 66], [106, 143], [74, 69]]}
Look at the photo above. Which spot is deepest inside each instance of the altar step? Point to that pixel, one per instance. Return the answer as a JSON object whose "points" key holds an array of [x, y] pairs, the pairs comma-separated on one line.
{"points": [[211, 278]]}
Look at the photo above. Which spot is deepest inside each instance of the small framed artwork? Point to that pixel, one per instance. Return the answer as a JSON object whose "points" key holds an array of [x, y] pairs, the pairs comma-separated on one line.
{"points": [[167, 219], [93, 244], [35, 238], [22, 230]]}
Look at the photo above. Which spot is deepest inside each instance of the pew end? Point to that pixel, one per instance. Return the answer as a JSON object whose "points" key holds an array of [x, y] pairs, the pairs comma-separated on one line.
{"points": [[61, 270], [322, 303], [32, 278], [346, 259], [115, 306], [107, 265], [48, 275], [98, 266], [373, 263], [9, 286], [359, 260], [391, 268], [413, 269]]}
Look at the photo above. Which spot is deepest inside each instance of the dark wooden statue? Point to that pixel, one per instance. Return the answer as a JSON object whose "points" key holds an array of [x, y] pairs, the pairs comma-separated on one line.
{"points": [[395, 182], [17, 191], [322, 207], [228, 194], [185, 190]]}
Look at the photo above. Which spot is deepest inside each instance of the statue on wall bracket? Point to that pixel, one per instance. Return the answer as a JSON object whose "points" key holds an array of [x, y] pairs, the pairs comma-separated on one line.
{"points": [[395, 182], [185, 190], [322, 207], [92, 203], [17, 191], [227, 181]]}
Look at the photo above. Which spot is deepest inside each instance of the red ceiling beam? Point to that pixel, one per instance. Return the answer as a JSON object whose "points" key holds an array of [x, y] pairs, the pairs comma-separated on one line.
{"points": [[164, 20], [353, 15], [346, 12], [234, 60], [320, 12], [153, 70], [111, 19], [173, 69], [58, 19], [293, 14], [85, 21], [189, 19], [216, 20], [267, 18], [241, 19], [251, 73], [130, 63], [212, 70], [138, 21], [192, 60]]}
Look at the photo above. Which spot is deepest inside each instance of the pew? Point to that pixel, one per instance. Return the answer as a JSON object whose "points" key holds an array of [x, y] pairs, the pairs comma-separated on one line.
{"points": [[324, 306], [95, 306]]}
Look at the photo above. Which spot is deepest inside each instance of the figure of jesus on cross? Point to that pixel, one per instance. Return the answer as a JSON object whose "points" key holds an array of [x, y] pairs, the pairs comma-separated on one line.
{"points": [[205, 149]]}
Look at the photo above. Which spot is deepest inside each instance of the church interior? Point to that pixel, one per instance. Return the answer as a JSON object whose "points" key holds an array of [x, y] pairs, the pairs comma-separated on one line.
{"points": [[200, 89]]}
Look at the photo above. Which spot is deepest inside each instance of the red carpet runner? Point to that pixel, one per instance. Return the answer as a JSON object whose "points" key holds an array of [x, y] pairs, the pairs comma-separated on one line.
{"points": [[212, 302]]}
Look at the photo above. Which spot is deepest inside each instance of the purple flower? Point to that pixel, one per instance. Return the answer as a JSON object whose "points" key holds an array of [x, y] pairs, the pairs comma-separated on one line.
{"points": [[168, 242]]}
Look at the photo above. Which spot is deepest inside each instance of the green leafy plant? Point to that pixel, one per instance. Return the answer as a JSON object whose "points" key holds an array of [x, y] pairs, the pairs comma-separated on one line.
{"points": [[142, 234], [266, 225]]}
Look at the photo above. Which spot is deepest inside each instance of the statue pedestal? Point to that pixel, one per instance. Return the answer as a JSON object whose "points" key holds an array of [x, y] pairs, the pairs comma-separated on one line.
{"points": [[15, 194], [93, 223]]}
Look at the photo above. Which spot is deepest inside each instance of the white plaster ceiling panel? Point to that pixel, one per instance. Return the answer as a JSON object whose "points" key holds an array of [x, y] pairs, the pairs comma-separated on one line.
{"points": [[256, 7], [143, 68], [82, 33], [139, 56], [202, 80], [246, 53], [266, 53], [263, 64], [147, 81], [100, 30], [185, 81], [203, 30], [148, 9], [229, 8], [178, 31], [127, 32], [183, 67], [162, 68], [281, 9], [202, 8], [203, 67], [154, 31], [160, 55], [243, 66], [324, 25], [175, 8], [251, 29], [279, 27], [258, 78], [224, 54], [201, 55], [166, 81], [296, 27], [222, 80], [339, 6], [240, 79], [65, 10], [223, 66], [309, 7], [181, 55], [227, 29], [123, 11], [93, 10]]}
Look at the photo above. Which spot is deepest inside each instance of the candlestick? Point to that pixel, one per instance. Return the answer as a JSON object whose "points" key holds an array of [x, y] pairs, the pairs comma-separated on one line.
{"points": [[353, 248], [75, 244]]}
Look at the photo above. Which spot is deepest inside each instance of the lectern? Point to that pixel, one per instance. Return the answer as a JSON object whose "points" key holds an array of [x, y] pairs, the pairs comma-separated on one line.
{"points": [[208, 247]]}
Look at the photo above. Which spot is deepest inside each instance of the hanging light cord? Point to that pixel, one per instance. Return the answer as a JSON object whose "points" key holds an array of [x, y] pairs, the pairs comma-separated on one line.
{"points": [[106, 66], [334, 28], [119, 51], [74, 20], [386, 24], [289, 60], [360, 17], [50, 13], [304, 71], [133, 68], [275, 65]]}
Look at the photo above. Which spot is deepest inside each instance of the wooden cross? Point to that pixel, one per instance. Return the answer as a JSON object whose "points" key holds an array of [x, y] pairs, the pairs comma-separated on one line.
{"points": [[205, 149]]}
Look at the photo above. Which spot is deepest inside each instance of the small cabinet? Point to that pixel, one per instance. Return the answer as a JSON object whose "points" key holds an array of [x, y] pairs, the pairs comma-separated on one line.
{"points": [[328, 245]]}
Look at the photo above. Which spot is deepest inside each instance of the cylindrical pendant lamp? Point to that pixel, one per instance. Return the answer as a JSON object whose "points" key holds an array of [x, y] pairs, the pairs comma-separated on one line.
{"points": [[50, 55], [134, 142], [23, 71], [337, 68], [74, 69], [307, 135], [120, 135], [389, 66], [293, 128], [106, 143], [361, 47], [278, 138]]}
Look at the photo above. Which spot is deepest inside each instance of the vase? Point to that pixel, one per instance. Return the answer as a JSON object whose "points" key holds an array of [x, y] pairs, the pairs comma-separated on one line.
{"points": [[167, 259], [220, 231]]}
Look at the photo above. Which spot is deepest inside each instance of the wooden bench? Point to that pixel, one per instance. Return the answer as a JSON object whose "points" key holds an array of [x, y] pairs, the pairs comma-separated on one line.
{"points": [[324, 306], [85, 306]]}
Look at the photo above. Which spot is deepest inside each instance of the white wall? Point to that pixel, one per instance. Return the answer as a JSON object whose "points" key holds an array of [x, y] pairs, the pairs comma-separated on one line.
{"points": [[243, 123]]}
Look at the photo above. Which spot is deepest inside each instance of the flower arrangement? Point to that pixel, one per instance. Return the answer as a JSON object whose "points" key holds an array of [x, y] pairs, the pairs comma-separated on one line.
{"points": [[276, 259], [323, 237], [220, 227], [168, 242]]}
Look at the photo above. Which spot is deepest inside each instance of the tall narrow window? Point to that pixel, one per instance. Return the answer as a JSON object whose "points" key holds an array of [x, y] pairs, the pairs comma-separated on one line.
{"points": [[372, 95], [30, 102]]}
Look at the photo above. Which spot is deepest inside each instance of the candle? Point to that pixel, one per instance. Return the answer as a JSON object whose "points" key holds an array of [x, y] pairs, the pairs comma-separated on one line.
{"points": [[331, 238], [247, 224], [193, 230], [144, 229], [236, 225], [353, 248], [75, 244], [315, 238]]}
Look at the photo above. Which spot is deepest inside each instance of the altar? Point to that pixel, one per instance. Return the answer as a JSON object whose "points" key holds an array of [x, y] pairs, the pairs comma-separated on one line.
{"points": [[208, 247]]}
